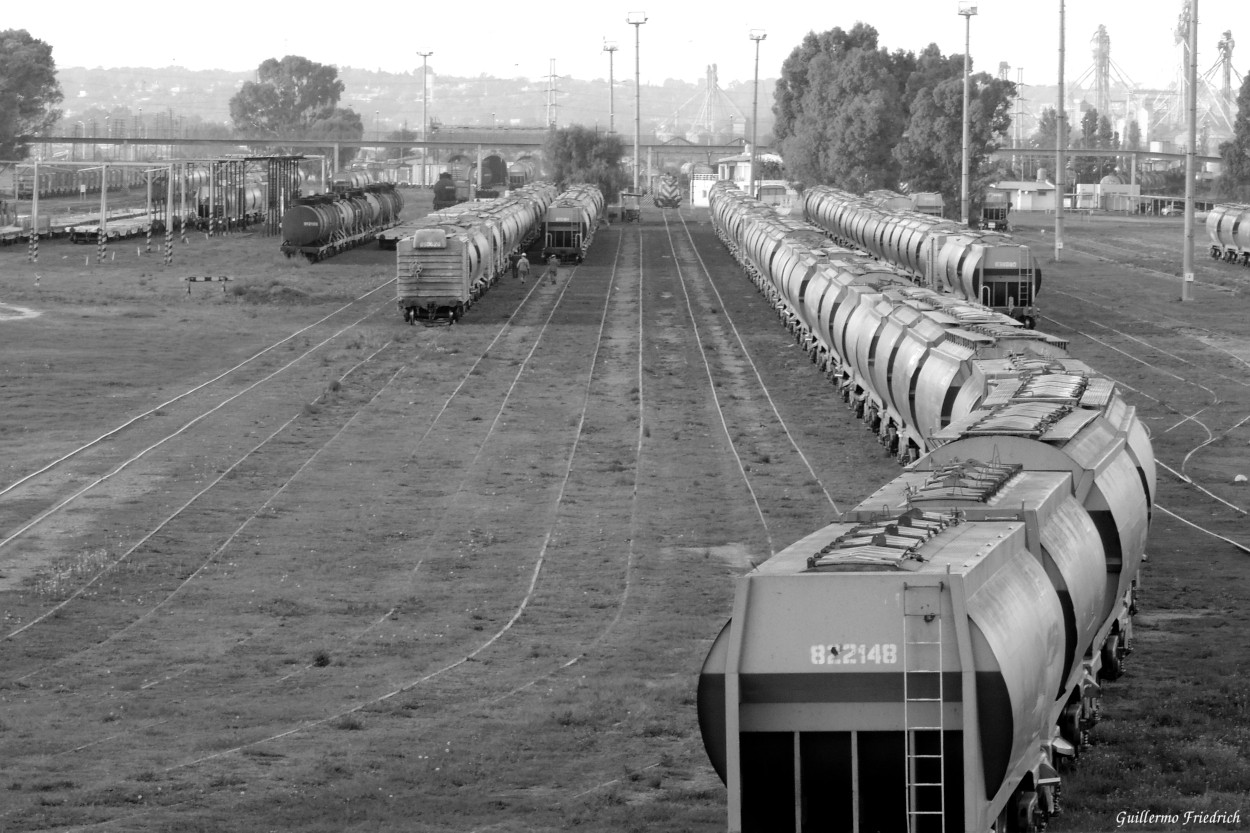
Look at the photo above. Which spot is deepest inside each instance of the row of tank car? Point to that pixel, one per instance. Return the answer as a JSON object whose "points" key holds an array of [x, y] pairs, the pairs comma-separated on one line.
{"points": [[929, 660], [352, 213], [453, 256], [1228, 225], [985, 267]]}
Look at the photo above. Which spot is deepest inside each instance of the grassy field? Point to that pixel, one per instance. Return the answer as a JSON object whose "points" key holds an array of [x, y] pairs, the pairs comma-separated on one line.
{"points": [[433, 579]]}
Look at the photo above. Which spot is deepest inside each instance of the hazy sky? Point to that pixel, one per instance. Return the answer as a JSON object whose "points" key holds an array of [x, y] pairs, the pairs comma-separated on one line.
{"points": [[680, 38]]}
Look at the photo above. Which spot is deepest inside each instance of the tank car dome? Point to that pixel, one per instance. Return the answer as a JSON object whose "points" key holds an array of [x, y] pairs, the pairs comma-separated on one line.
{"points": [[1111, 179]]}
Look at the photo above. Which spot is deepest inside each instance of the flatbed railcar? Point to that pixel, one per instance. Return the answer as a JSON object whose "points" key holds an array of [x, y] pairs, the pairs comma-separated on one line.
{"points": [[453, 256], [980, 266], [929, 660]]}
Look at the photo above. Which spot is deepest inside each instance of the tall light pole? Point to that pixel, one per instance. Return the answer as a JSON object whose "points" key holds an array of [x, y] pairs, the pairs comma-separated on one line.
{"points": [[609, 46], [967, 10], [756, 35], [1191, 160], [1061, 143], [636, 19], [425, 121]]}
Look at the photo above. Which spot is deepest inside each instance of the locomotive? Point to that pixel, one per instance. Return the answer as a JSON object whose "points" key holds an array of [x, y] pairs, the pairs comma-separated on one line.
{"points": [[978, 266], [454, 255], [667, 192], [928, 660], [1228, 225]]}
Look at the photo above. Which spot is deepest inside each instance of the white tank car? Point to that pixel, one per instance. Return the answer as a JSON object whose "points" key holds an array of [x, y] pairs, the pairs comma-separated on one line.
{"points": [[926, 661]]}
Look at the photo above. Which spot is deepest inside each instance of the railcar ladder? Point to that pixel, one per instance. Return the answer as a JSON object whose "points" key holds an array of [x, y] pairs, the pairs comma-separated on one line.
{"points": [[924, 708]]}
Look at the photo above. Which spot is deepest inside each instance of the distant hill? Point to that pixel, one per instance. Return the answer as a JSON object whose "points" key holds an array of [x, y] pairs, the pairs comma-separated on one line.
{"points": [[173, 98]]}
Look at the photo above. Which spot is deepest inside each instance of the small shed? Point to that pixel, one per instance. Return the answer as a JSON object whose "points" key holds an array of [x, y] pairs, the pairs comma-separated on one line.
{"points": [[1029, 195]]}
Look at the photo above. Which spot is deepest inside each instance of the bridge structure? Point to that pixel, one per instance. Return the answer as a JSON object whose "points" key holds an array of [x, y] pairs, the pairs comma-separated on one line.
{"points": [[508, 143]]}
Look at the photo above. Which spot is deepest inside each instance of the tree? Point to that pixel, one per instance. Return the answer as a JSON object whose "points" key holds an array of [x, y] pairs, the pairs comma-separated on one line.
{"points": [[576, 155], [931, 152], [1235, 176], [840, 110], [287, 97], [402, 135], [1132, 136], [29, 91], [1047, 130], [342, 125]]}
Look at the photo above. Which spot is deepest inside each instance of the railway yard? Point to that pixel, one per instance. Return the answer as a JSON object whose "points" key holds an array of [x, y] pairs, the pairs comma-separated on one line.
{"points": [[273, 559]]}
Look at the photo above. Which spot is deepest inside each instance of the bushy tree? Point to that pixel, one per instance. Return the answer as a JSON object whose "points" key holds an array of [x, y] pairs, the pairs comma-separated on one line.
{"points": [[1047, 129], [1235, 175], [931, 152], [286, 98], [344, 125], [29, 91], [576, 154], [839, 109], [1132, 136]]}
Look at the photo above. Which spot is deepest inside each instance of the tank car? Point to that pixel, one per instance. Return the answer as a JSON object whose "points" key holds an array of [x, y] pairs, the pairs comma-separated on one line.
{"points": [[446, 192], [987, 268], [898, 353], [570, 222], [927, 660], [453, 256], [995, 206], [1228, 224], [323, 225], [522, 172], [929, 202]]}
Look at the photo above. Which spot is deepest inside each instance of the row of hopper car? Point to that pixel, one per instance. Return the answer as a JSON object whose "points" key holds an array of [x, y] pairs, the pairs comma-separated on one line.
{"points": [[931, 659], [448, 259], [982, 266]]}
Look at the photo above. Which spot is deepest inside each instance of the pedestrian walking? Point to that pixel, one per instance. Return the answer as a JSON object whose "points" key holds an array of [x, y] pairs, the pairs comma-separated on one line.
{"points": [[512, 263], [523, 267], [553, 269]]}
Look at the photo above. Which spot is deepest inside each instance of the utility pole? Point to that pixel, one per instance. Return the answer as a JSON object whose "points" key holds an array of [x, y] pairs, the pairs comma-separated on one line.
{"points": [[551, 94], [1191, 160], [425, 121], [756, 35], [609, 46], [1061, 141], [636, 19], [967, 10]]}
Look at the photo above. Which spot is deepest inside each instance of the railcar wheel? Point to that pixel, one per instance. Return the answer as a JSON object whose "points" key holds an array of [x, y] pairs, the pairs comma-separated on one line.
{"points": [[1030, 323], [1026, 812], [1070, 726], [1112, 664]]}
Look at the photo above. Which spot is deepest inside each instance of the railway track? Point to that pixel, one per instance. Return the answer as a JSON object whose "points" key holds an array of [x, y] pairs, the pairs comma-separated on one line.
{"points": [[488, 517]]}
